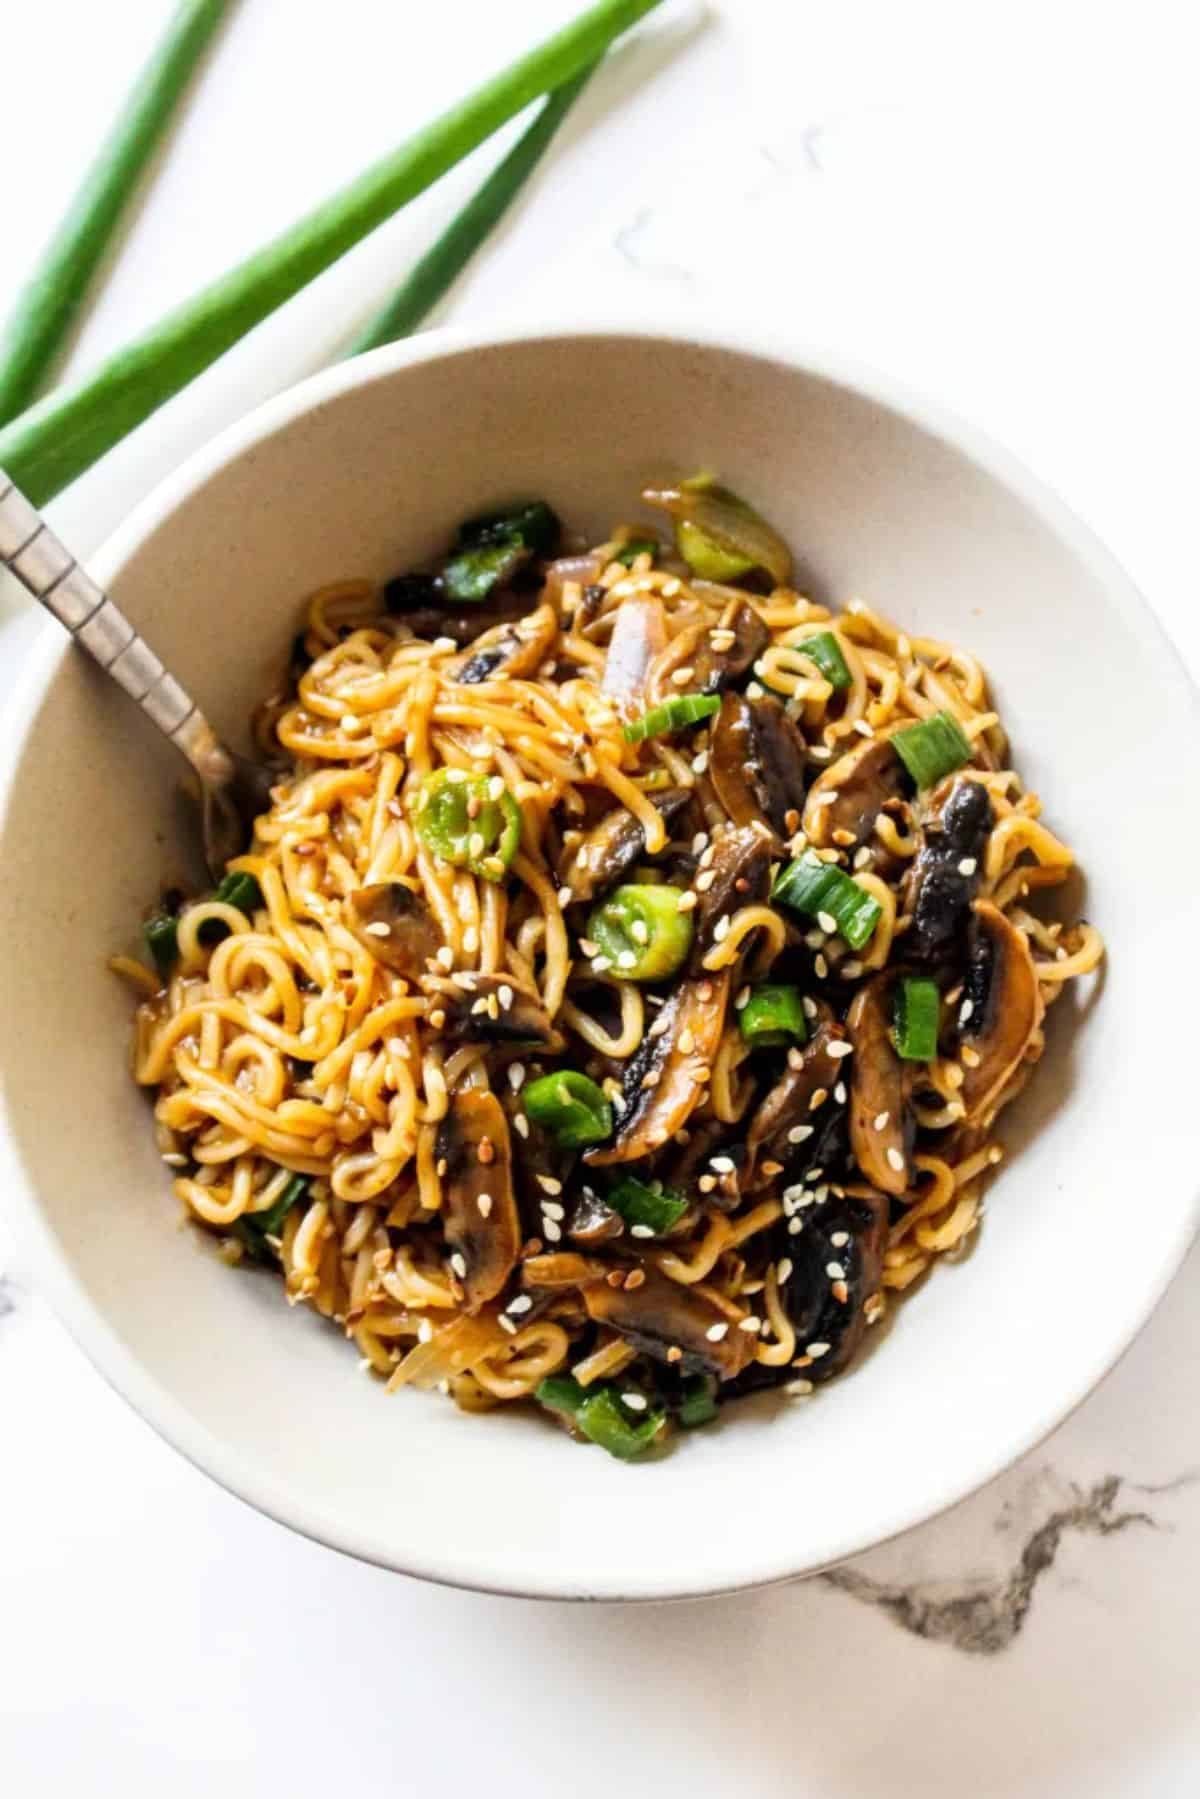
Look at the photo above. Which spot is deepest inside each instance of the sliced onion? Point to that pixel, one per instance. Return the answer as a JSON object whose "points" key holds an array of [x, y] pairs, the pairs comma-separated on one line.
{"points": [[727, 521], [639, 633], [584, 569]]}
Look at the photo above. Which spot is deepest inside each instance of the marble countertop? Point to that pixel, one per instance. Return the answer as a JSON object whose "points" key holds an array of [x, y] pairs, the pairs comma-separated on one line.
{"points": [[995, 202]]}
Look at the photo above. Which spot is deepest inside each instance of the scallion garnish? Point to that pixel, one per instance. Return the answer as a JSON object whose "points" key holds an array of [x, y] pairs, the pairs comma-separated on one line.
{"points": [[699, 1402], [255, 1227], [570, 1106], [642, 931], [459, 820], [492, 549], [681, 709], [633, 547], [824, 649], [240, 890], [812, 887], [917, 1015], [602, 1415], [932, 748], [773, 1016], [160, 931], [651, 1208]]}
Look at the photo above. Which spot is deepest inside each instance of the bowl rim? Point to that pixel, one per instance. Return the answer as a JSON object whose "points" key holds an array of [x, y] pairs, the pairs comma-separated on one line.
{"points": [[757, 1565]]}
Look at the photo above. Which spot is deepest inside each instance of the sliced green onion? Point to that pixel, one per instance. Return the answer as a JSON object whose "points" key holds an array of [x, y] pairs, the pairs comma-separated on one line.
{"points": [[160, 931], [242, 891], [485, 843], [633, 547], [681, 709], [699, 1402], [773, 1016], [646, 1208], [707, 559], [533, 524], [50, 299], [255, 1227], [812, 887], [933, 748], [442, 264], [641, 931], [918, 1009], [471, 575], [824, 649], [570, 1106], [64, 434], [601, 1414]]}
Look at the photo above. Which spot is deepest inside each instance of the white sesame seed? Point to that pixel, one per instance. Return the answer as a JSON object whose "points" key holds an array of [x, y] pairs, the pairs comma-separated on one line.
{"points": [[681, 676], [459, 1266], [565, 896], [379, 929], [699, 842], [895, 1160], [700, 763], [173, 1158], [505, 996], [783, 1269], [686, 904], [750, 1324], [795, 1226], [827, 922], [835, 1271], [445, 644], [551, 1230], [716, 1332], [795, 1058], [839, 1048], [601, 964], [810, 1006], [881, 1119], [522, 1124], [708, 856], [626, 959], [516, 1076], [424, 1331], [484, 1202], [851, 968], [800, 1133], [495, 788], [522, 1303], [863, 728], [968, 865], [839, 1093], [705, 880], [840, 1239], [635, 1401], [799, 1389], [552, 1209], [862, 857], [456, 774], [721, 1164], [965, 1011], [506, 1324], [588, 947], [721, 929], [548, 1184], [639, 930], [743, 999], [350, 724], [821, 966], [816, 1350], [446, 956]]}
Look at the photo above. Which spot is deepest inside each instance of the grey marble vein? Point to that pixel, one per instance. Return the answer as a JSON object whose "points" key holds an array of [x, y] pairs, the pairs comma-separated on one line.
{"points": [[628, 246], [9, 1295], [985, 1617]]}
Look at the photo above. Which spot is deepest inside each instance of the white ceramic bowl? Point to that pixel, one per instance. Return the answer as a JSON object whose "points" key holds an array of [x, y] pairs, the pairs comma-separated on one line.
{"points": [[362, 471]]}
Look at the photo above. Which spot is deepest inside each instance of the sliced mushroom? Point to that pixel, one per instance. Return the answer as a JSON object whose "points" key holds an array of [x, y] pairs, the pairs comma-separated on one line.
{"points": [[593, 1221], [667, 1075], [639, 633], [708, 1169], [396, 925], [541, 1168], [561, 1268], [939, 886], [790, 1128], [1002, 1008], [837, 1264], [512, 650], [845, 801], [757, 762], [479, 1212], [737, 874], [489, 1008], [417, 607], [612, 847], [714, 656], [882, 1127], [660, 1316]]}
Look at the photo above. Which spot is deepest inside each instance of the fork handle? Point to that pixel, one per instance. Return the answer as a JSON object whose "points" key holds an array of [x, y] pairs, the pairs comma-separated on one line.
{"points": [[47, 570]]}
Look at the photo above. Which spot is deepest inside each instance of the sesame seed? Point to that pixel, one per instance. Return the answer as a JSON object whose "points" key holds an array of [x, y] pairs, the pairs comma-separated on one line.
{"points": [[687, 1041], [721, 1164], [881, 1119], [699, 842], [810, 1006], [445, 956], [641, 1230], [704, 881], [863, 728], [660, 1025], [750, 1324], [700, 762], [379, 930], [445, 644], [707, 1183], [601, 964], [839, 1048], [754, 691], [783, 1269], [835, 1271], [839, 1093], [522, 1303], [799, 1389], [459, 1266], [516, 1076], [687, 903], [470, 940], [816, 1350], [506, 1324], [795, 1058], [588, 947], [485, 1153], [350, 724], [480, 1006], [821, 966], [635, 1401], [565, 896], [862, 857], [522, 1124], [800, 1133], [840, 1239], [818, 1099], [627, 959], [484, 1202], [505, 997], [681, 676], [639, 930], [851, 969], [716, 1332], [424, 1331], [548, 1184], [895, 1159], [970, 1056], [840, 1291], [721, 930], [743, 999], [173, 1158], [968, 865], [551, 1230], [827, 922], [708, 856], [965, 1011]]}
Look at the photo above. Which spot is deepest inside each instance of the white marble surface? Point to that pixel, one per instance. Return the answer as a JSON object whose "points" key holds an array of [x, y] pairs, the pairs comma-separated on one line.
{"points": [[997, 201]]}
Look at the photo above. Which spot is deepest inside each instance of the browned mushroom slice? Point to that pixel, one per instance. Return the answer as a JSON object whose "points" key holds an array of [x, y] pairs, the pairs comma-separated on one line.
{"points": [[705, 658], [667, 1075], [793, 1122], [510, 650], [837, 1265], [737, 873], [396, 925], [942, 879], [881, 1122], [757, 763], [661, 1316], [1001, 1010], [612, 847], [709, 1168], [432, 621], [562, 1268], [845, 801], [479, 1212], [593, 1221], [489, 1008]]}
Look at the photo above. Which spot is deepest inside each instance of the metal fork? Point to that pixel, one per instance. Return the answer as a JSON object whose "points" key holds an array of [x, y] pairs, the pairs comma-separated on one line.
{"points": [[234, 790]]}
